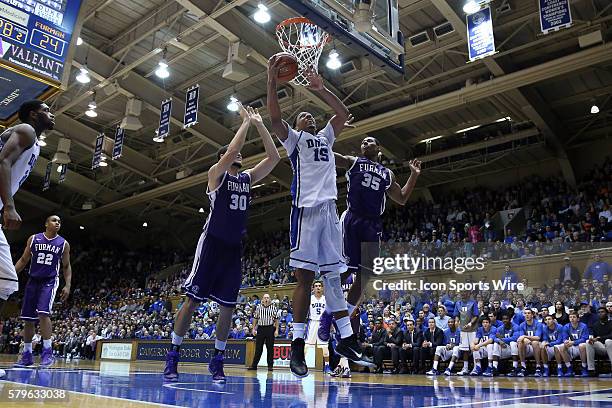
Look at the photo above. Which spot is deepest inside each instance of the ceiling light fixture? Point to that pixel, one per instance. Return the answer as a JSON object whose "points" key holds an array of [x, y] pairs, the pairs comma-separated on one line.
{"points": [[261, 16], [467, 129], [471, 7], [333, 60], [162, 69], [83, 76], [233, 106]]}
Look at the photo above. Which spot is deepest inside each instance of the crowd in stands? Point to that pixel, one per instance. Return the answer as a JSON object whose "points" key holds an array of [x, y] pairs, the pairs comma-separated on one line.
{"points": [[124, 305]]}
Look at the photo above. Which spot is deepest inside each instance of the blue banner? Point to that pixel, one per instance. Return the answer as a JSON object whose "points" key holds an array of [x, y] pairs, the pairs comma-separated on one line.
{"points": [[554, 15], [95, 163], [191, 352], [481, 42], [118, 145], [164, 118], [47, 181], [191, 106], [62, 175]]}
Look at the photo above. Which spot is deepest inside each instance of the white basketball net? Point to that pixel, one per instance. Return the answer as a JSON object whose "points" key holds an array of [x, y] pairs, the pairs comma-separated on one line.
{"points": [[305, 41]]}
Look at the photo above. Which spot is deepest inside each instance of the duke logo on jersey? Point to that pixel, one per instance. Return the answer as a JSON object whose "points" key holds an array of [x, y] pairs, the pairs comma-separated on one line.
{"points": [[317, 307], [216, 272], [45, 264]]}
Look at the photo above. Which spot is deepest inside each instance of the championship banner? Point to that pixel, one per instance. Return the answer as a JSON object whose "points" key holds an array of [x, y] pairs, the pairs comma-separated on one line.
{"points": [[47, 182], [192, 99], [554, 15], [95, 163], [118, 145], [191, 352], [481, 42], [164, 119], [62, 176]]}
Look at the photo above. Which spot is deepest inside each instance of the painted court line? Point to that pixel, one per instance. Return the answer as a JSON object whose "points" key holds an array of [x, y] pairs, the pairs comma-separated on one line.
{"points": [[520, 398], [174, 387], [96, 395]]}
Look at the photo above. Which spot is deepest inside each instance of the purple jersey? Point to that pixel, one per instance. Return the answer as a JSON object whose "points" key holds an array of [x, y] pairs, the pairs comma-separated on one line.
{"points": [[229, 204], [46, 256], [368, 182]]}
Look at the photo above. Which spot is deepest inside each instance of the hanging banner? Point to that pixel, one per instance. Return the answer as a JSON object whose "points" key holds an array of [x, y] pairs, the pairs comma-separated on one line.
{"points": [[554, 15], [95, 163], [47, 182], [164, 118], [192, 100], [118, 145], [480, 34], [62, 175]]}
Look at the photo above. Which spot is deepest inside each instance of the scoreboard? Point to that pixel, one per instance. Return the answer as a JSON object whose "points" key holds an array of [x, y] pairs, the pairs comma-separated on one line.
{"points": [[35, 49]]}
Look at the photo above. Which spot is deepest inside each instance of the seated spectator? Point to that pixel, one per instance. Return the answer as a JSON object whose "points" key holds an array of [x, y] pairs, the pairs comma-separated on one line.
{"points": [[600, 343], [442, 319]]}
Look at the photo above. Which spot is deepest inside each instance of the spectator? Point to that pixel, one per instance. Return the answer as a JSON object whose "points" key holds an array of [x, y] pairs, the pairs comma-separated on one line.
{"points": [[569, 273], [430, 340], [600, 343], [597, 270]]}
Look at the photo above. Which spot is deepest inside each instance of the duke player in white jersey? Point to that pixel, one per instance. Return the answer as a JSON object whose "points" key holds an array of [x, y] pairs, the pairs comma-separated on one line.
{"points": [[317, 307], [19, 151], [315, 230]]}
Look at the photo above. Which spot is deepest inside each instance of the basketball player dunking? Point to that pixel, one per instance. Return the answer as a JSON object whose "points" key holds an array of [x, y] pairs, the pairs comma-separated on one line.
{"points": [[315, 231], [47, 251], [317, 307], [19, 151], [368, 183], [216, 273]]}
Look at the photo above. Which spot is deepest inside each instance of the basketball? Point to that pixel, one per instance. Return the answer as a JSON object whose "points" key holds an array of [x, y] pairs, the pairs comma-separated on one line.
{"points": [[288, 67]]}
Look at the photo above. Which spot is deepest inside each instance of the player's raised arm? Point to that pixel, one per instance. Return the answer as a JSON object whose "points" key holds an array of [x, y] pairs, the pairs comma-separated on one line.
{"points": [[67, 268], [401, 194], [25, 258], [22, 138], [233, 150], [341, 112], [264, 167], [279, 127], [344, 162]]}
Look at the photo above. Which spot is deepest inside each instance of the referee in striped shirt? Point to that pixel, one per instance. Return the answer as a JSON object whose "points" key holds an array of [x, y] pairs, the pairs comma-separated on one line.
{"points": [[265, 329]]}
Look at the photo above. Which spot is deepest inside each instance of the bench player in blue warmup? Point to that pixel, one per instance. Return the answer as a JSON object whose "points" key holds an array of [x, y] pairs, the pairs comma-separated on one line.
{"points": [[216, 272], [315, 230], [46, 252]]}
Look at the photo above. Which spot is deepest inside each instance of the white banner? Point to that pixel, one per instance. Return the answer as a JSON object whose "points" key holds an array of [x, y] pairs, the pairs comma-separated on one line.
{"points": [[117, 351]]}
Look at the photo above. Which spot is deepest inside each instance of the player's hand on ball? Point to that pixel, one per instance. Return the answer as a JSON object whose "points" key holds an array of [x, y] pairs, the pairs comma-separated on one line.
{"points": [[415, 166], [12, 220], [314, 79], [273, 67]]}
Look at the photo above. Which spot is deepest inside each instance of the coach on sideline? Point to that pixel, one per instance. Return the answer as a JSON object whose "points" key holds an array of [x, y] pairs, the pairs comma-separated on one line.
{"points": [[265, 329], [600, 342]]}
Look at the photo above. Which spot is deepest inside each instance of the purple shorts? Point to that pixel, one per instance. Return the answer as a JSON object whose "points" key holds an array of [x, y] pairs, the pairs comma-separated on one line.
{"points": [[216, 273], [358, 230], [38, 297]]}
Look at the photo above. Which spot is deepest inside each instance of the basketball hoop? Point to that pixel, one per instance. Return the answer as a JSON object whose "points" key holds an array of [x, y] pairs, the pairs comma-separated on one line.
{"points": [[304, 40]]}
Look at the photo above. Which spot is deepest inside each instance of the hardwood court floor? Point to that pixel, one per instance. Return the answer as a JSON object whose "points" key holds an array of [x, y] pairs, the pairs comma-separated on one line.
{"points": [[134, 385]]}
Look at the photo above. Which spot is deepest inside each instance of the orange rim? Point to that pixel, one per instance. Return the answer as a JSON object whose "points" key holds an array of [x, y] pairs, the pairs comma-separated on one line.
{"points": [[299, 20]]}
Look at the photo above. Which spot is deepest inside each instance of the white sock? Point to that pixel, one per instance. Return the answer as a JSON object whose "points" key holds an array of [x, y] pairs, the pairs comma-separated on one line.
{"points": [[298, 330], [568, 365], [451, 365], [546, 365], [344, 362], [350, 308], [435, 364], [477, 364], [220, 345], [495, 363], [27, 347], [344, 325], [584, 366], [524, 364], [176, 339], [47, 343], [514, 364]]}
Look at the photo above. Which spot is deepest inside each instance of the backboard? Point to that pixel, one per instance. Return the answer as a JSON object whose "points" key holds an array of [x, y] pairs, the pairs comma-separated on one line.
{"points": [[372, 29]]}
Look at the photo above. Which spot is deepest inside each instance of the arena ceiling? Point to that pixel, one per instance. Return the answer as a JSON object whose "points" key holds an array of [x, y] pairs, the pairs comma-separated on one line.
{"points": [[546, 84]]}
